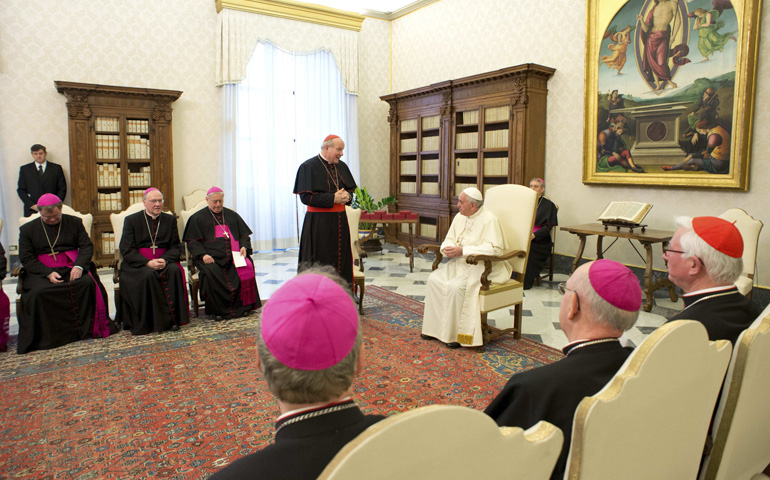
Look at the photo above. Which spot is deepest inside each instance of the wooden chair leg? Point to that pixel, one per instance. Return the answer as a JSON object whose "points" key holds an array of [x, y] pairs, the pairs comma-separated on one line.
{"points": [[517, 313], [194, 295], [362, 288], [550, 268]]}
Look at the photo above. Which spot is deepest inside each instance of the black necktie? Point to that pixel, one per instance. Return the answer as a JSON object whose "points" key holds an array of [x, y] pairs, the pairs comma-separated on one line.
{"points": [[40, 170]]}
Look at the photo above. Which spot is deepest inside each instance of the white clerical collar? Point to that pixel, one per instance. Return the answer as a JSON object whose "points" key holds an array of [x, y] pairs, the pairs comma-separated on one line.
{"points": [[720, 288], [317, 406], [151, 215], [324, 159]]}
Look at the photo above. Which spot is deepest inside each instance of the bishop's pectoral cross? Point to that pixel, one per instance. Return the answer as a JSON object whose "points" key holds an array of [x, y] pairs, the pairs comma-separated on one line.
{"points": [[153, 247], [52, 254], [226, 234]]}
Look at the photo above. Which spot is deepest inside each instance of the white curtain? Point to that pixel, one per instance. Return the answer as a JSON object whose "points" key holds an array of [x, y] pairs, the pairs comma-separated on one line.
{"points": [[240, 31], [275, 119]]}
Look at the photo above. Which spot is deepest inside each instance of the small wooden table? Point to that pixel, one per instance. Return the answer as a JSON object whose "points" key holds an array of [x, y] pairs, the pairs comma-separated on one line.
{"points": [[408, 246], [647, 238]]}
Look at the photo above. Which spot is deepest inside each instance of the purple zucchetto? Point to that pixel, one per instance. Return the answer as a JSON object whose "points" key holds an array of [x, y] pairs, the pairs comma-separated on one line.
{"points": [[310, 323], [48, 199], [214, 190], [150, 190], [616, 284]]}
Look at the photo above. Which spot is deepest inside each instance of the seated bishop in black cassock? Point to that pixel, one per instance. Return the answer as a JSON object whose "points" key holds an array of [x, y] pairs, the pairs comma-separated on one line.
{"points": [[62, 299], [153, 287], [215, 235]]}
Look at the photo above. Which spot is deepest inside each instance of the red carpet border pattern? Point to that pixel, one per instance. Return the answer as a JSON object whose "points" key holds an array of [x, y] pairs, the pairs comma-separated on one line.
{"points": [[181, 405]]}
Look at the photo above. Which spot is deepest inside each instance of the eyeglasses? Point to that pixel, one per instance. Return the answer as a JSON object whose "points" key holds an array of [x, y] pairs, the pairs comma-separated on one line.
{"points": [[562, 288], [667, 250], [155, 201]]}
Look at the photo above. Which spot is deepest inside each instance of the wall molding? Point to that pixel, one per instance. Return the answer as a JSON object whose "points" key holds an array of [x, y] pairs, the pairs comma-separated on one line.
{"points": [[300, 11]]}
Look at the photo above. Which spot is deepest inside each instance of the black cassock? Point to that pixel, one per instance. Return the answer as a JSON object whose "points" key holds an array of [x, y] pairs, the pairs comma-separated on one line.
{"points": [[219, 281], [540, 247], [151, 300], [325, 234], [725, 314], [55, 314], [553, 392]]}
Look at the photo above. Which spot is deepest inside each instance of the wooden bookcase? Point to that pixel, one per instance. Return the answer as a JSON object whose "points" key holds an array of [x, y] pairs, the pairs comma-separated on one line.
{"points": [[120, 144], [480, 131]]}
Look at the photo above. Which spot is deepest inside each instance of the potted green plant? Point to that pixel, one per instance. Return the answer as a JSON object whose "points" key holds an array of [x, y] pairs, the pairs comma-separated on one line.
{"points": [[365, 202]]}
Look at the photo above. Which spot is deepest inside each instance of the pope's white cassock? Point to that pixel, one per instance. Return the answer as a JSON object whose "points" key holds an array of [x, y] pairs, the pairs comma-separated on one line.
{"points": [[452, 305]]}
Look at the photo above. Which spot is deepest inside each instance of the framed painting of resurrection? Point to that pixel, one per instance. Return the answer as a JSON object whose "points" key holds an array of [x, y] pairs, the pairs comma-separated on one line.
{"points": [[670, 92]]}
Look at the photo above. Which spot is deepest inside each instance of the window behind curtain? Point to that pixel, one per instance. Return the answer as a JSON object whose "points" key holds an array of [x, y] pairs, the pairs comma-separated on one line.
{"points": [[276, 119]]}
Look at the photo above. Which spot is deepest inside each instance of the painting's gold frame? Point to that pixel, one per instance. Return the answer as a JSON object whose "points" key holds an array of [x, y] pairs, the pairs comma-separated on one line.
{"points": [[599, 14]]}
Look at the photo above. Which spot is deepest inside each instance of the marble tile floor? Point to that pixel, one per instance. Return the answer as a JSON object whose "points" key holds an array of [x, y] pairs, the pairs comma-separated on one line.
{"points": [[389, 269]]}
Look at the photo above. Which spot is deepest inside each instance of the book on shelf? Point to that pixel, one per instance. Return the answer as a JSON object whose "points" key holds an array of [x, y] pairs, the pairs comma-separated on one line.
{"points": [[408, 187], [430, 122], [430, 143], [467, 140], [466, 166], [496, 138], [409, 125], [496, 114], [408, 145], [430, 166], [631, 213], [427, 230], [470, 117], [430, 188], [409, 167], [496, 166]]}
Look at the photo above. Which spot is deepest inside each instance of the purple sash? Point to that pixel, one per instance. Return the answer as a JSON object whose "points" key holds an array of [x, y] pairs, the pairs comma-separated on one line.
{"points": [[149, 255], [67, 259], [245, 274]]}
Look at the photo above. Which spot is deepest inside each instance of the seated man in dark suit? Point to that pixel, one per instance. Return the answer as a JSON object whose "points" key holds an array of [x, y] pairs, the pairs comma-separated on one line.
{"points": [[38, 178], [309, 348], [602, 301], [704, 260]]}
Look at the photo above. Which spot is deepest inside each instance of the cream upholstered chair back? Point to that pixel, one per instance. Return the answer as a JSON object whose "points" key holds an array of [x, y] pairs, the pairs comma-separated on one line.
{"points": [[87, 218], [741, 429], [750, 229], [193, 198], [1, 226], [117, 219], [515, 207], [442, 441], [185, 215], [354, 217], [359, 279], [652, 418]]}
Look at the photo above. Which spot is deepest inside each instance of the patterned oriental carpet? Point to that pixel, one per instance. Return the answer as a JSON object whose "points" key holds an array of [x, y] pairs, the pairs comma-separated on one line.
{"points": [[181, 405]]}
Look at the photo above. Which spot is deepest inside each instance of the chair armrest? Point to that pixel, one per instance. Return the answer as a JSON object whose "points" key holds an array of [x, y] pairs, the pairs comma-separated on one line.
{"points": [[16, 272], [115, 265], [432, 248], [488, 260]]}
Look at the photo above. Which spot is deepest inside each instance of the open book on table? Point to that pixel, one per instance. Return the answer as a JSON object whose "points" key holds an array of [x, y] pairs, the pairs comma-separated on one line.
{"points": [[627, 213]]}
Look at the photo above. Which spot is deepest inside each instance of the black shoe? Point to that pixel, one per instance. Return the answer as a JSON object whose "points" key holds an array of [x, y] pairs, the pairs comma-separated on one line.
{"points": [[218, 318], [426, 337], [453, 345], [175, 328]]}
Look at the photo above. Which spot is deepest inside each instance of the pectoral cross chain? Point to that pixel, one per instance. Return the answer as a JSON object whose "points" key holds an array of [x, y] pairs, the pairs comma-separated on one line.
{"points": [[52, 254]]}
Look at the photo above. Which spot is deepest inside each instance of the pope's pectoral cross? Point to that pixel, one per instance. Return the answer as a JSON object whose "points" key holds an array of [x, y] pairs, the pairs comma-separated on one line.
{"points": [[227, 235], [52, 254], [153, 247]]}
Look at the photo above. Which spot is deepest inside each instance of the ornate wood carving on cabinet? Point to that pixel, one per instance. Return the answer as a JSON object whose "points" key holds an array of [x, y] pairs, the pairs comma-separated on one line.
{"points": [[120, 144], [480, 131]]}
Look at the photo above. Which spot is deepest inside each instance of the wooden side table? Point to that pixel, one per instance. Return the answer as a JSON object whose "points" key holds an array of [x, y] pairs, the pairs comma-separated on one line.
{"points": [[646, 238], [408, 246]]}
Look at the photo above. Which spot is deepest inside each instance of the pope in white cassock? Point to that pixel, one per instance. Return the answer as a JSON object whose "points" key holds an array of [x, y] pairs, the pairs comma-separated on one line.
{"points": [[452, 312]]}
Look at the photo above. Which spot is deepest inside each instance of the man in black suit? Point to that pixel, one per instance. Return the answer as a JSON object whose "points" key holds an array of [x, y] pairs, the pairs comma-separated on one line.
{"points": [[308, 350], [602, 301], [38, 178]]}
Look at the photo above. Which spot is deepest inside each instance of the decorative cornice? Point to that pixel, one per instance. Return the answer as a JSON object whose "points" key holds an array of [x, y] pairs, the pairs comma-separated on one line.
{"points": [[303, 12], [80, 92]]}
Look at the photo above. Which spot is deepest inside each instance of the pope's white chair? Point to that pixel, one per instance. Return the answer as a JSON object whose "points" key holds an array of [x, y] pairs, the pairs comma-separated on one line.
{"points": [[516, 224], [750, 229], [443, 441], [359, 279], [741, 429], [193, 278], [652, 418], [193, 198]]}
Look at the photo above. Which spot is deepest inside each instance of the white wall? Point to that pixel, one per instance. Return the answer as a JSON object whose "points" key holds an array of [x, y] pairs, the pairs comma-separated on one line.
{"points": [[455, 38], [168, 44]]}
